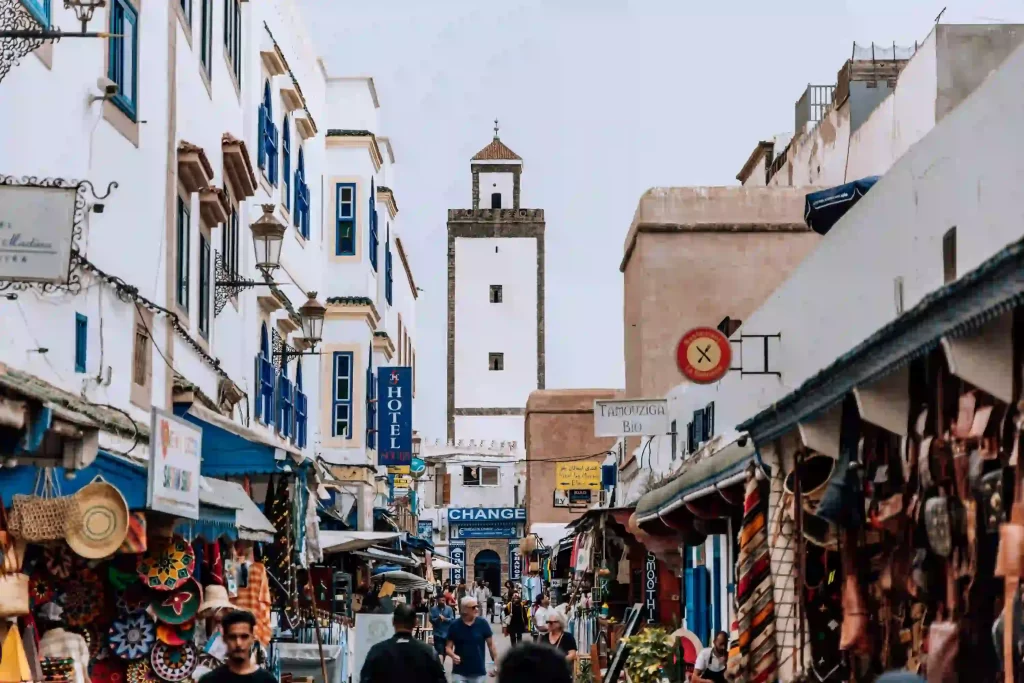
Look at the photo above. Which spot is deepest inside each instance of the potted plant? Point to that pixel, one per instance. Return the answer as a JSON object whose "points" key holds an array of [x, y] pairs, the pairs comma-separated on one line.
{"points": [[649, 653]]}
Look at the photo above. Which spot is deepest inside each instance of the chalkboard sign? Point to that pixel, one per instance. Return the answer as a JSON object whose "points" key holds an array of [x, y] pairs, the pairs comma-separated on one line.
{"points": [[631, 619]]}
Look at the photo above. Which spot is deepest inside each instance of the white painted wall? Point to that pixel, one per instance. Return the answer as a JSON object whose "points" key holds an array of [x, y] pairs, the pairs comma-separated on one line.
{"points": [[501, 183]]}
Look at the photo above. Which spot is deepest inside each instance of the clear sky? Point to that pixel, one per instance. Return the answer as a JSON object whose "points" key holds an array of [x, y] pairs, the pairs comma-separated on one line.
{"points": [[603, 99]]}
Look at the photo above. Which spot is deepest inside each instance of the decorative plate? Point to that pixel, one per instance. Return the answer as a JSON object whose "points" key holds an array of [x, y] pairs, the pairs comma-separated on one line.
{"points": [[168, 566], [140, 671], [83, 598], [58, 561], [174, 664], [109, 670], [40, 589], [132, 636], [176, 635]]}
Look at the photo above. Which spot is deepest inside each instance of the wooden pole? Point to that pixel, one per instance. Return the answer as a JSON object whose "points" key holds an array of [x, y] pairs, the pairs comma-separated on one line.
{"points": [[316, 627]]}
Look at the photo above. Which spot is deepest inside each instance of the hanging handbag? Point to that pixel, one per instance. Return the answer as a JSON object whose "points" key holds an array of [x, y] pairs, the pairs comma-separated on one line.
{"points": [[46, 515], [14, 595], [938, 524]]}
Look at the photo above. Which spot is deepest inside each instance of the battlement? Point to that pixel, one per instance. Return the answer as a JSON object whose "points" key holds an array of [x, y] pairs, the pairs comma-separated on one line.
{"points": [[496, 215]]}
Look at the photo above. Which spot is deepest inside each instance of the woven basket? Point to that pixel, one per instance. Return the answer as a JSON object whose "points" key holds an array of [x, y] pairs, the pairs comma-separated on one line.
{"points": [[37, 518]]}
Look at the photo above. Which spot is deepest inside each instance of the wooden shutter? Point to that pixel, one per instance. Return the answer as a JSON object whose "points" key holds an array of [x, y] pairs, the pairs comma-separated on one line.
{"points": [[447, 498]]}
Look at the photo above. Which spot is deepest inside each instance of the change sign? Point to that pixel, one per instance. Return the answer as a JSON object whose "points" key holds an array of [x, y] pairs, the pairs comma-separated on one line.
{"points": [[394, 416]]}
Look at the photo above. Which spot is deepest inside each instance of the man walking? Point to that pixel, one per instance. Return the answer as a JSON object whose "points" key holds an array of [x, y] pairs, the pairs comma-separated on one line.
{"points": [[441, 617], [402, 658], [466, 640]]}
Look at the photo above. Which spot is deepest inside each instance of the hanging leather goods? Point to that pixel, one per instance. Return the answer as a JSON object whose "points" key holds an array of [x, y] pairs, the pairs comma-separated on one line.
{"points": [[854, 633]]}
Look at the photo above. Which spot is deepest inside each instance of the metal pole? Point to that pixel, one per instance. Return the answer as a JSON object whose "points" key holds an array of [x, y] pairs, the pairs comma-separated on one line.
{"points": [[55, 35]]}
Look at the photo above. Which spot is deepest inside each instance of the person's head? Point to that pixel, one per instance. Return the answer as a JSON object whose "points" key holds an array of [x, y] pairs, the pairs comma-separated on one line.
{"points": [[516, 597], [533, 663], [721, 642], [404, 619], [545, 601], [468, 607], [556, 621], [238, 627]]}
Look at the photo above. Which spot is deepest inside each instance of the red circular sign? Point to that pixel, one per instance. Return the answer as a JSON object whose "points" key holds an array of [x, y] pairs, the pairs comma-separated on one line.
{"points": [[704, 355]]}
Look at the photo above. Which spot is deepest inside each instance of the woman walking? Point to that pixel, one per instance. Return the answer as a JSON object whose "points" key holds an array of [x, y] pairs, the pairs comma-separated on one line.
{"points": [[515, 610], [558, 638]]}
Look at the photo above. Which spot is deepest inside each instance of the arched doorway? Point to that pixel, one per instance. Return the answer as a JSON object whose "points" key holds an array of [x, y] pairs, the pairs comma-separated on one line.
{"points": [[487, 566]]}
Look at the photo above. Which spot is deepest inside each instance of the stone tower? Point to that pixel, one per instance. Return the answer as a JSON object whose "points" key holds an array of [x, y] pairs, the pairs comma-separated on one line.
{"points": [[495, 302]]}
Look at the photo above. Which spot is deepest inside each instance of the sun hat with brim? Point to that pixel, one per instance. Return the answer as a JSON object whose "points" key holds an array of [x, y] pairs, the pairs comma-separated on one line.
{"points": [[104, 521], [216, 598], [178, 606]]}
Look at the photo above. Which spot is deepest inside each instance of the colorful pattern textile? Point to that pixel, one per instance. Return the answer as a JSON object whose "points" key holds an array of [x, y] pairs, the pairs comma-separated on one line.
{"points": [[58, 644], [753, 657], [255, 597], [132, 637], [174, 664], [168, 565], [279, 553]]}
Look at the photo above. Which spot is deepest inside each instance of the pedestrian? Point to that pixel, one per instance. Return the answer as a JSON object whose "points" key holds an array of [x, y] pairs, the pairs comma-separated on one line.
{"points": [[531, 663], [480, 593], [558, 637], [489, 597], [540, 617], [466, 640], [461, 592], [238, 628], [449, 595], [441, 617], [710, 664], [402, 658], [515, 610]]}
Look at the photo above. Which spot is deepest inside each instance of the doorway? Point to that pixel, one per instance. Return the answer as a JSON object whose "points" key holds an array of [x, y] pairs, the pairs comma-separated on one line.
{"points": [[487, 566]]}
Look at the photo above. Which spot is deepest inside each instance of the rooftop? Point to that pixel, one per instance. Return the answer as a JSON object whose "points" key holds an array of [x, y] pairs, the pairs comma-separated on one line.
{"points": [[496, 151]]}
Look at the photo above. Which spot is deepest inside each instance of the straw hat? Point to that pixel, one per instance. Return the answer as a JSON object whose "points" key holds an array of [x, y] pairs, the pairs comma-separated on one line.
{"points": [[216, 599], [104, 521]]}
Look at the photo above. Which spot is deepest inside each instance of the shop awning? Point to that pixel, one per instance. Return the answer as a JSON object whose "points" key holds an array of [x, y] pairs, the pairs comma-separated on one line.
{"points": [[437, 564], [403, 581], [723, 468], [385, 556], [824, 208], [550, 533], [252, 524], [417, 543], [987, 292], [344, 541], [229, 449], [127, 475]]}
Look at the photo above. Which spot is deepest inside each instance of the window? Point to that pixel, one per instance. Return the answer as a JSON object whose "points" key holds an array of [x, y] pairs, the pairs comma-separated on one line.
{"points": [[401, 347], [479, 476], [123, 59], [346, 219], [285, 399], [81, 336], [233, 36], [388, 280], [206, 37], [229, 239], [186, 9], [341, 395], [184, 226], [286, 166], [675, 439], [140, 361], [204, 286], [496, 361], [300, 408], [371, 404], [949, 255], [266, 157], [374, 235], [264, 405], [40, 11], [495, 200], [709, 421], [301, 197], [496, 294]]}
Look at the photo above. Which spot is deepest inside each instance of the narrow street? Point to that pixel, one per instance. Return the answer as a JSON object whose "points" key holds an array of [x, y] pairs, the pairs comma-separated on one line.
{"points": [[500, 640]]}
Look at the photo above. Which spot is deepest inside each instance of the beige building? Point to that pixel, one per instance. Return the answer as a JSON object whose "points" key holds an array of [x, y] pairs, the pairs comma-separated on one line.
{"points": [[559, 427], [696, 255]]}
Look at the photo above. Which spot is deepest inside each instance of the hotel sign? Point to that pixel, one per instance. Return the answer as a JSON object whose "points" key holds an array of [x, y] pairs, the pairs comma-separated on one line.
{"points": [[394, 416], [36, 225], [457, 515], [632, 417]]}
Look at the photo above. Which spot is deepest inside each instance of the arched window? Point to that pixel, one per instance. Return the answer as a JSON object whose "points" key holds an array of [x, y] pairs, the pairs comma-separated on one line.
{"points": [[265, 380], [286, 163], [264, 343], [266, 159]]}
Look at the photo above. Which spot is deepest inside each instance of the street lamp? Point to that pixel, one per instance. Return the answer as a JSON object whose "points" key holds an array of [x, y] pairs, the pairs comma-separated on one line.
{"points": [[84, 9], [267, 239], [311, 316]]}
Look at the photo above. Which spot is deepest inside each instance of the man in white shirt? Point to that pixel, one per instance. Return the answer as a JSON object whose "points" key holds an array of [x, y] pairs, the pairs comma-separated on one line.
{"points": [[540, 618], [711, 661]]}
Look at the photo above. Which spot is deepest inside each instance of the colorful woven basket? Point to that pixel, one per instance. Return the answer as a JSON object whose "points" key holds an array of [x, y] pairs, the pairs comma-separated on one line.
{"points": [[167, 566]]}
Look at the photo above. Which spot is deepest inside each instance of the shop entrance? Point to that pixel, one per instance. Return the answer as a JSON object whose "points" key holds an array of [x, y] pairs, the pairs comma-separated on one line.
{"points": [[487, 566]]}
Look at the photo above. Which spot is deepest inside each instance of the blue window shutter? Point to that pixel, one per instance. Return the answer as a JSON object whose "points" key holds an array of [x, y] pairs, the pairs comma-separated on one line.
{"points": [[81, 340], [258, 402], [261, 154], [702, 624], [716, 583]]}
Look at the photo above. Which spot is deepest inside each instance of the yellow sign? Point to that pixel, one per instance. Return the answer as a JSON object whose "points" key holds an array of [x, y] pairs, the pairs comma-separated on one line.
{"points": [[578, 475], [403, 481], [398, 469]]}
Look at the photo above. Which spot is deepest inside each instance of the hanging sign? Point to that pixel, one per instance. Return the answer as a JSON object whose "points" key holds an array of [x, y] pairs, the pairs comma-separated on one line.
{"points": [[630, 417], [579, 496], [578, 475], [651, 588], [515, 561], [457, 551], [400, 469], [704, 355], [394, 416], [456, 515], [486, 531], [36, 226], [425, 529], [417, 468], [174, 458]]}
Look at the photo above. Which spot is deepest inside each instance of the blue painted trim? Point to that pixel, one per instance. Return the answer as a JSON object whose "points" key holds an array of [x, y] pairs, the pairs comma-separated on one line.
{"points": [[81, 341], [40, 11], [374, 234], [205, 263], [716, 583], [183, 232], [388, 280], [227, 454], [286, 165], [335, 400], [129, 477], [213, 523], [341, 221], [124, 18]]}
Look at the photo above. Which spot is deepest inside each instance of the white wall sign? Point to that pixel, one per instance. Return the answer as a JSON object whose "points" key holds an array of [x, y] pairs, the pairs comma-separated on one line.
{"points": [[174, 459], [632, 417], [35, 233]]}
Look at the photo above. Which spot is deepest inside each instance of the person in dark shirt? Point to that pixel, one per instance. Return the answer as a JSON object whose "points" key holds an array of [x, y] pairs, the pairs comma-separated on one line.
{"points": [[441, 617], [557, 637], [466, 640], [237, 627], [533, 663], [402, 658]]}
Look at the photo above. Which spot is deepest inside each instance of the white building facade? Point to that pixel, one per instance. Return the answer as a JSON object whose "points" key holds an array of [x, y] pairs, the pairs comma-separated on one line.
{"points": [[210, 117], [495, 302]]}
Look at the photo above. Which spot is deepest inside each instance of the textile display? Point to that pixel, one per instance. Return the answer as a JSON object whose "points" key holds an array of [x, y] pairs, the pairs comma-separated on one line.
{"points": [[278, 555], [255, 597], [753, 658]]}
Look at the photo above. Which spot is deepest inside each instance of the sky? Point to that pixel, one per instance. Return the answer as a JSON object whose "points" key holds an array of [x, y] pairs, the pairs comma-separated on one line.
{"points": [[603, 99]]}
